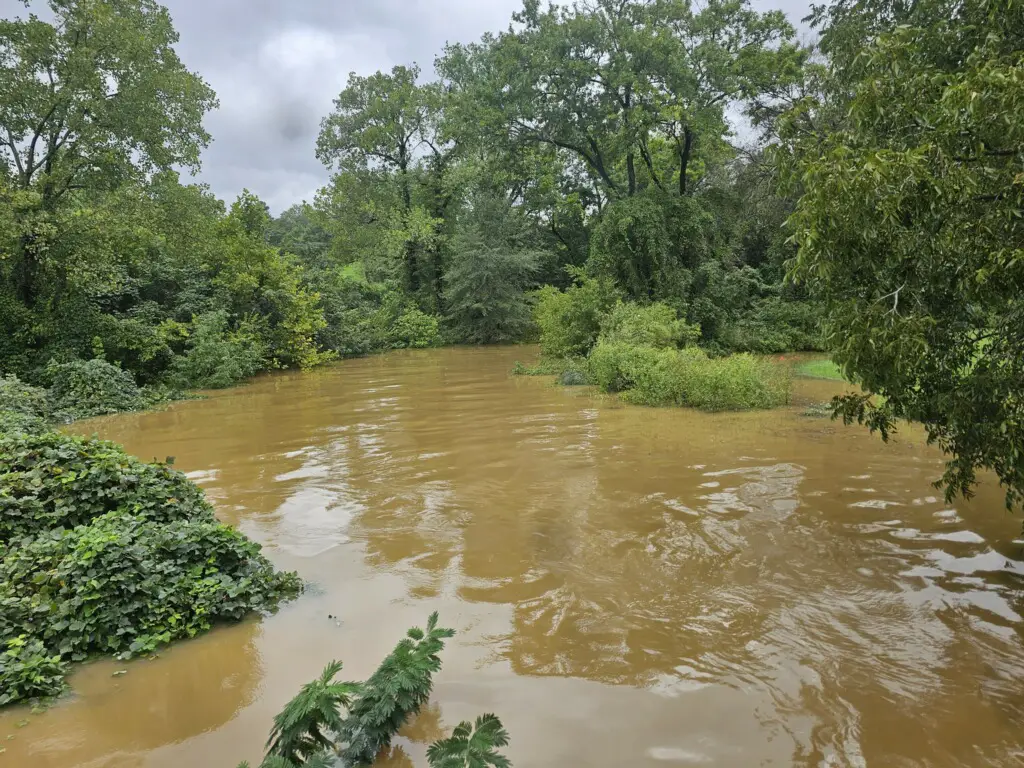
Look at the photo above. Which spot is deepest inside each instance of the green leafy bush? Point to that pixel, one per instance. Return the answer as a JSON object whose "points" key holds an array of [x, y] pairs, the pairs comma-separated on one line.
{"points": [[301, 729], [81, 389], [102, 553], [688, 377], [737, 382], [570, 320], [471, 745], [218, 357], [52, 480], [651, 325], [412, 329], [23, 408], [29, 671], [18, 397]]}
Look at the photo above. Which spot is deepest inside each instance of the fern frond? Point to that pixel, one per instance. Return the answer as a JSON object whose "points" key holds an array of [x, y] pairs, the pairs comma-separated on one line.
{"points": [[471, 746]]}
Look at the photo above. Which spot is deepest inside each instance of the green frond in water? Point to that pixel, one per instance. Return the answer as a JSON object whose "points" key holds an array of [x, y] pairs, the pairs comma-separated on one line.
{"points": [[396, 690], [305, 726], [471, 746], [276, 761]]}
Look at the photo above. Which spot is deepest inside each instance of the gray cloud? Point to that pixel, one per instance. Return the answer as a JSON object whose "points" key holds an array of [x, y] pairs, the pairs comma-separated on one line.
{"points": [[278, 64]]}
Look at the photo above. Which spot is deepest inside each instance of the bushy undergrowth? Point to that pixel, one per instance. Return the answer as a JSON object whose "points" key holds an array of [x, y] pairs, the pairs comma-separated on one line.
{"points": [[688, 377], [23, 408], [570, 320], [216, 356], [652, 325], [101, 553], [81, 389], [645, 352], [331, 723]]}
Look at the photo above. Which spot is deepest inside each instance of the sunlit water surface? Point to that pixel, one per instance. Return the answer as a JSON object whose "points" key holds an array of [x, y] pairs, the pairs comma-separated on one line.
{"points": [[630, 586]]}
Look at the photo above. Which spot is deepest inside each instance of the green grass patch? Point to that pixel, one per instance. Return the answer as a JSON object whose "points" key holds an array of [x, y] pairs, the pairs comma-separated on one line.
{"points": [[820, 369]]}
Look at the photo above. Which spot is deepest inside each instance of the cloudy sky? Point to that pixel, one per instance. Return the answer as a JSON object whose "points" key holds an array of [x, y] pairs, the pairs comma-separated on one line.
{"points": [[276, 66]]}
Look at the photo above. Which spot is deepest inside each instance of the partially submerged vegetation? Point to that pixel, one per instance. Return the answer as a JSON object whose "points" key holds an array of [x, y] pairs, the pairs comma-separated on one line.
{"points": [[646, 353], [102, 554], [331, 723]]}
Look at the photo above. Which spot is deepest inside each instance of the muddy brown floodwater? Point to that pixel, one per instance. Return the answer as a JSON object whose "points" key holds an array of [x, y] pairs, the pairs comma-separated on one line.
{"points": [[631, 587]]}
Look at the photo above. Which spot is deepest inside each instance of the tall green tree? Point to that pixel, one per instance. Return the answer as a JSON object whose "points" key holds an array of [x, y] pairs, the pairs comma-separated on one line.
{"points": [[492, 264], [93, 99], [387, 126], [629, 98], [909, 228]]}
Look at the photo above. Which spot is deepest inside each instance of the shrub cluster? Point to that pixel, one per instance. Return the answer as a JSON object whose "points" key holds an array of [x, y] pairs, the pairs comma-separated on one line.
{"points": [[81, 389], [646, 353], [23, 407], [688, 377], [103, 554]]}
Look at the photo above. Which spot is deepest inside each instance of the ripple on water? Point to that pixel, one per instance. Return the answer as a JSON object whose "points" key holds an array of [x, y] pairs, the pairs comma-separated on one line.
{"points": [[631, 586]]}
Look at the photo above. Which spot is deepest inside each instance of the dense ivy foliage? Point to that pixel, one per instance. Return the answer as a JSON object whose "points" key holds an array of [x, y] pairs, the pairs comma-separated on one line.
{"points": [[81, 389], [54, 481], [101, 553]]}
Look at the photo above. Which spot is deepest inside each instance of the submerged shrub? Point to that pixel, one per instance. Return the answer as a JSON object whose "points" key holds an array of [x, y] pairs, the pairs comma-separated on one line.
{"points": [[301, 729], [217, 357], [688, 377], [103, 553], [651, 325], [81, 389], [311, 730], [737, 382], [124, 584], [52, 480]]}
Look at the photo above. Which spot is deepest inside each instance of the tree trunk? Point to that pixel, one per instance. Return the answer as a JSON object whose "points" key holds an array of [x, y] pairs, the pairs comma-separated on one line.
{"points": [[684, 158]]}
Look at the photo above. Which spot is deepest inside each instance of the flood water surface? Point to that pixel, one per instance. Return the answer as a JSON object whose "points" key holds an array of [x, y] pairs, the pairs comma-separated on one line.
{"points": [[630, 586]]}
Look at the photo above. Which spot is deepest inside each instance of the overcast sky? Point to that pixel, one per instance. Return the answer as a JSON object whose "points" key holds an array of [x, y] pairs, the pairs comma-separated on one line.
{"points": [[276, 66]]}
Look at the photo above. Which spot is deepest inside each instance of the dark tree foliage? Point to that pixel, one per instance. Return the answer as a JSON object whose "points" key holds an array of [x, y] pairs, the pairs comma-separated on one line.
{"points": [[909, 224]]}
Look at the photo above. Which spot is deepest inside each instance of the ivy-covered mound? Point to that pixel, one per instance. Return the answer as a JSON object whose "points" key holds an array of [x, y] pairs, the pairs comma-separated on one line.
{"points": [[101, 553]]}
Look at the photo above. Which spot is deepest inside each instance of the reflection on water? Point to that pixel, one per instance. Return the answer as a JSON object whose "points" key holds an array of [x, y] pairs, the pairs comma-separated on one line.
{"points": [[631, 586]]}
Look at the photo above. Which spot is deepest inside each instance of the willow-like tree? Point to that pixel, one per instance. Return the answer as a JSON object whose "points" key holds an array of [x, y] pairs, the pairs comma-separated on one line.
{"points": [[92, 99], [909, 226]]}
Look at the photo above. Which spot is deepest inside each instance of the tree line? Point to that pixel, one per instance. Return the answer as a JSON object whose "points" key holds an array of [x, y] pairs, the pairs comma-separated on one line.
{"points": [[862, 194]]}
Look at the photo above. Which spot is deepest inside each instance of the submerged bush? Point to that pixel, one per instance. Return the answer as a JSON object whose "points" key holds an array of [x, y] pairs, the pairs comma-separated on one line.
{"points": [[688, 377], [312, 731], [395, 691], [51, 480], [124, 584], [81, 389], [29, 671], [102, 553]]}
